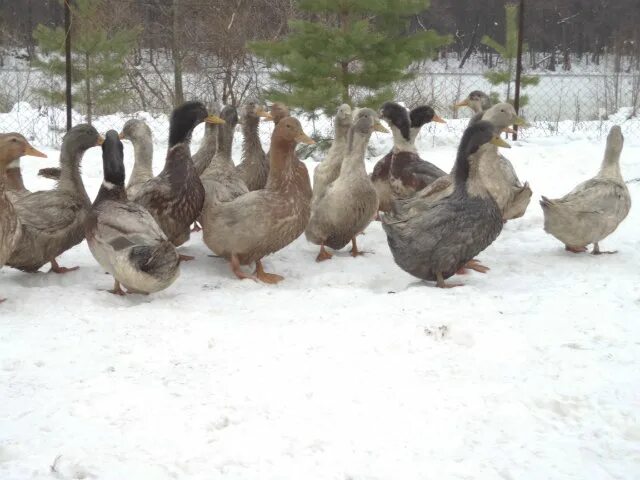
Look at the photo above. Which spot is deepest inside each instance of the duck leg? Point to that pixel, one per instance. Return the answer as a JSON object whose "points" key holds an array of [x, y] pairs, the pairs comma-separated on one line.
{"points": [[117, 289], [472, 264], [575, 249], [266, 277], [3, 300], [323, 255], [596, 250], [441, 284], [185, 258], [235, 268], [56, 268], [354, 248]]}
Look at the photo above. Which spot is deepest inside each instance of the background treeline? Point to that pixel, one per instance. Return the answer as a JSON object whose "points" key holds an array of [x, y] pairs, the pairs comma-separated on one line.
{"points": [[558, 31]]}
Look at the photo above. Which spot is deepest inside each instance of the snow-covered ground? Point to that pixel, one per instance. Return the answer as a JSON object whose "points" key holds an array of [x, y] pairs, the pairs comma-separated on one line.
{"points": [[349, 369]]}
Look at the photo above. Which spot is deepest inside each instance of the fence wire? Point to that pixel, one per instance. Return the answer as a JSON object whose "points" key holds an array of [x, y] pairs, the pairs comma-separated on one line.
{"points": [[561, 103]]}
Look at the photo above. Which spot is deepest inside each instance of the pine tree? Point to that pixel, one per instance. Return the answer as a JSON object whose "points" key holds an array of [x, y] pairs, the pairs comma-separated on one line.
{"points": [[98, 55], [350, 50], [509, 52]]}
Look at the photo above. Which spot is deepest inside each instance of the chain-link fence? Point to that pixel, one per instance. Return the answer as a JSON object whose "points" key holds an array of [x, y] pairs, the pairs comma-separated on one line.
{"points": [[560, 104]]}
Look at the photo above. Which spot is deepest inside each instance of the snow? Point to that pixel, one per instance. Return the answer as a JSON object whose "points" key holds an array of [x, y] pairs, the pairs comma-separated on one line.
{"points": [[349, 369]]}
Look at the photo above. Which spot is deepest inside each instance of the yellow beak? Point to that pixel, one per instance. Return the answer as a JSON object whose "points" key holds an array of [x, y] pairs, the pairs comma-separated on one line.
{"points": [[33, 152], [378, 127], [498, 142], [463, 103], [214, 120], [100, 140], [520, 121], [264, 114], [304, 138]]}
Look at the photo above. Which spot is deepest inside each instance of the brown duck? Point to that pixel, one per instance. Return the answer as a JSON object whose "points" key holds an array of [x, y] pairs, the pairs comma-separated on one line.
{"points": [[264, 221]]}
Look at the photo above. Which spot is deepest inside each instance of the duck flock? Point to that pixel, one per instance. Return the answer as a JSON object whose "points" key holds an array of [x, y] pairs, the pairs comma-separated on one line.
{"points": [[436, 222]]}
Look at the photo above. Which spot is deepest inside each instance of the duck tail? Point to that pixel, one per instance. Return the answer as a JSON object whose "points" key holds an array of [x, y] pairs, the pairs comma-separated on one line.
{"points": [[52, 173], [545, 202], [157, 259]]}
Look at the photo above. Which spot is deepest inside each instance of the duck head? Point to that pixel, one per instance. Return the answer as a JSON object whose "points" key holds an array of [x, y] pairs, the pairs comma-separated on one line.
{"points": [[81, 138], [113, 160], [136, 130], [398, 119], [13, 146], [289, 130], [253, 110], [344, 115], [185, 118], [477, 100], [278, 111], [502, 115], [422, 115]]}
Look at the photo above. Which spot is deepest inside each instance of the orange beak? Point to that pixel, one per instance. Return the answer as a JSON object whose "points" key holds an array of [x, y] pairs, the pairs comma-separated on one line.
{"points": [[438, 119], [33, 152]]}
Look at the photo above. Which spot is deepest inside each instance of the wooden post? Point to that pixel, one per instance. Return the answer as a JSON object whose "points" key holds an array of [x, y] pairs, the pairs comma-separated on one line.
{"points": [[516, 102], [67, 60]]}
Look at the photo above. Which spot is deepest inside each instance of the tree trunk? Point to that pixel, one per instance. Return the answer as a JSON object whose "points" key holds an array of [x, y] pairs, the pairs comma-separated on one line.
{"points": [[176, 53], [345, 23]]}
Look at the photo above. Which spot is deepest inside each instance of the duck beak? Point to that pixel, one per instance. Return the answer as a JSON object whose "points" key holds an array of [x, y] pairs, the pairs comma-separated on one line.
{"points": [[498, 142], [304, 138], [463, 103], [214, 120], [261, 112], [268, 117], [520, 122], [508, 130], [378, 127], [438, 119], [32, 152], [121, 135], [100, 141]]}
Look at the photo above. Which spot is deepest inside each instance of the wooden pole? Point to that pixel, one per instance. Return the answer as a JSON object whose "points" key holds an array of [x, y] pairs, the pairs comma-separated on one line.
{"points": [[67, 60], [519, 63]]}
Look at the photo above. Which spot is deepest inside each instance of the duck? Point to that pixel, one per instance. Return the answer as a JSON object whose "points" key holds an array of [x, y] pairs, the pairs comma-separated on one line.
{"points": [[437, 241], [408, 173], [254, 167], [139, 134], [261, 222], [175, 197], [222, 181], [12, 146], [593, 209], [13, 174], [477, 101], [329, 169], [209, 145], [349, 203], [496, 172], [418, 117], [123, 237], [53, 220]]}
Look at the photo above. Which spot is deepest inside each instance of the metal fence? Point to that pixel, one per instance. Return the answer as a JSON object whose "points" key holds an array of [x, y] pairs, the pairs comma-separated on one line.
{"points": [[562, 103]]}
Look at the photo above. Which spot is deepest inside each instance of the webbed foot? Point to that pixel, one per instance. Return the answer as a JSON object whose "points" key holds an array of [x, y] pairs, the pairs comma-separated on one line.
{"points": [[56, 268], [323, 254], [575, 249], [270, 278]]}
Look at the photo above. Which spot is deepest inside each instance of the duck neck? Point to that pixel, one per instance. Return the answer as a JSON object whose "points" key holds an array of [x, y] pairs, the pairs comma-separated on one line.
{"points": [[203, 157], [281, 159], [467, 174], [173, 161], [353, 164], [251, 147], [225, 143], [143, 160], [610, 167], [401, 144], [413, 134], [13, 175], [70, 176], [110, 191]]}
